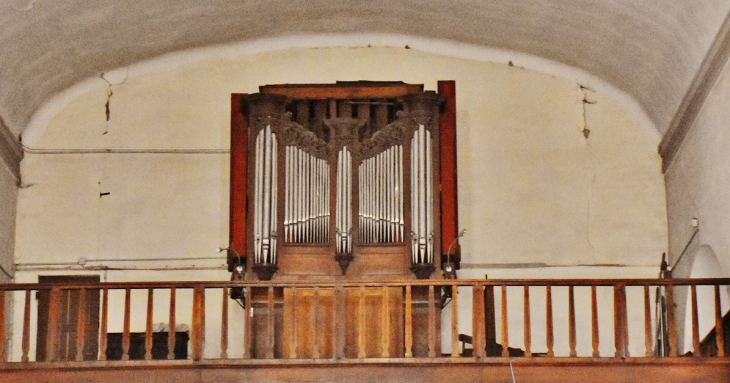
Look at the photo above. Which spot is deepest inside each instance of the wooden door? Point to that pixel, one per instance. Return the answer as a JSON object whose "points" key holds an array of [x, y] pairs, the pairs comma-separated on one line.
{"points": [[68, 307]]}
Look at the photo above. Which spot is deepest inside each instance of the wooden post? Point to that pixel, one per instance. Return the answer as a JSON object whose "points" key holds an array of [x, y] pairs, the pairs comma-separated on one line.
{"points": [[54, 316], [431, 322], [238, 181], [148, 328], [125, 330], [26, 328], [647, 322], [224, 324], [293, 324], [505, 323], [447, 144], [409, 323], [454, 321], [719, 334], [247, 325], [171, 330], [198, 321], [338, 318], [478, 326], [571, 321], [528, 329], [81, 326], [670, 319], [386, 323], [104, 324], [620, 325], [594, 322], [550, 340], [695, 322]]}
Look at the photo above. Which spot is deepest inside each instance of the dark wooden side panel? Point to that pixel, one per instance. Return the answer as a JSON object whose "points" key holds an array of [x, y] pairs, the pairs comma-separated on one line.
{"points": [[449, 204], [237, 198]]}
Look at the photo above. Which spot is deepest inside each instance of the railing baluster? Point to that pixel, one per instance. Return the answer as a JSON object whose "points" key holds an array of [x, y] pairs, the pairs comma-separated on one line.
{"points": [[431, 322], [171, 333], [478, 316], [409, 323], [104, 324], [270, 324], [505, 323], [695, 322], [315, 321], [198, 321], [647, 322], [81, 325], [361, 324], [550, 340], [719, 335], [594, 322], [620, 321], [54, 314], [125, 331], [528, 329], [224, 324], [670, 319], [247, 324], [148, 328], [26, 328], [2, 326], [571, 321], [454, 320], [386, 323]]}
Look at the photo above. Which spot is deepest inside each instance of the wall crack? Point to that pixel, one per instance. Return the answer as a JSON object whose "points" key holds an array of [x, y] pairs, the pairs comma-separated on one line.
{"points": [[587, 98]]}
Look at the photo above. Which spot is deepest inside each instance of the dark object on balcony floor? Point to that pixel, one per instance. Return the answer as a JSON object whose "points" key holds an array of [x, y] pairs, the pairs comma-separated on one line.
{"points": [[137, 349]]}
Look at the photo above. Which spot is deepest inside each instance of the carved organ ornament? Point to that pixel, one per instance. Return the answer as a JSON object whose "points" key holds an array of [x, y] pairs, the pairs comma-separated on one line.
{"points": [[338, 184]]}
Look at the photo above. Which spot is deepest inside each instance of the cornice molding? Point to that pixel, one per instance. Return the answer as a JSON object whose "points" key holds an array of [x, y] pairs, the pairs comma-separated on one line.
{"points": [[11, 151], [697, 93]]}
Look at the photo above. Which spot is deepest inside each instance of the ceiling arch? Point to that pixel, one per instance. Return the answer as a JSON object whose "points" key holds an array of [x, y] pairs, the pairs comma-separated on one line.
{"points": [[650, 50]]}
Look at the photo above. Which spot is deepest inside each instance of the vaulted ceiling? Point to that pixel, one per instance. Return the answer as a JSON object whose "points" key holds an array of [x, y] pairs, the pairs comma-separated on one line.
{"points": [[652, 50]]}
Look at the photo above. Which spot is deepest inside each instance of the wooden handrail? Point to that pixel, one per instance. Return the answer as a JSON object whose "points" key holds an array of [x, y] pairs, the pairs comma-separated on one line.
{"points": [[415, 313]]}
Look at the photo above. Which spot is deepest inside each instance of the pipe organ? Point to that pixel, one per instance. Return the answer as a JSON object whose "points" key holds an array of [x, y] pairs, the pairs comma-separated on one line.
{"points": [[343, 183]]}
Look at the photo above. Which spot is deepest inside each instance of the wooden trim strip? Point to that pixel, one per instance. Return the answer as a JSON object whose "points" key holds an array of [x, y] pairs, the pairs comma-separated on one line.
{"points": [[695, 322], [386, 323], [454, 321], [571, 321], [431, 322], [670, 319], [198, 321], [361, 324], [2, 327], [270, 335], [54, 316], [315, 322], [594, 322], [478, 318], [505, 323], [248, 325]]}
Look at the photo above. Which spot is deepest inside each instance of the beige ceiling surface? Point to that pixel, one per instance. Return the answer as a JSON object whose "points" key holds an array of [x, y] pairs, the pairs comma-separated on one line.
{"points": [[650, 49]]}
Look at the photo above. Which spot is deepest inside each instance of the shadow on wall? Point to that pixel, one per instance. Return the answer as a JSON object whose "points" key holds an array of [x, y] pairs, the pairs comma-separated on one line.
{"points": [[701, 263]]}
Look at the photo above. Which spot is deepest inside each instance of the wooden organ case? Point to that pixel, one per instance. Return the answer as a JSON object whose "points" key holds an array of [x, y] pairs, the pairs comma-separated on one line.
{"points": [[343, 182]]}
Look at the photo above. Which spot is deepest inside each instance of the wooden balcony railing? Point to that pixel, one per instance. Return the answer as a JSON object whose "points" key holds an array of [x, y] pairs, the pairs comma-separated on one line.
{"points": [[402, 321]]}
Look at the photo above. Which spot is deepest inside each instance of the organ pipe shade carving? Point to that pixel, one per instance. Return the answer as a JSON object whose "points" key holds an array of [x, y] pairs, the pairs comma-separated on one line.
{"points": [[265, 197]]}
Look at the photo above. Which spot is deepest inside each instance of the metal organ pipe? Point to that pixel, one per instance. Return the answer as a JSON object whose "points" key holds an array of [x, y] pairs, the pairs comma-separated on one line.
{"points": [[381, 199], [265, 197], [306, 214], [344, 202], [422, 196]]}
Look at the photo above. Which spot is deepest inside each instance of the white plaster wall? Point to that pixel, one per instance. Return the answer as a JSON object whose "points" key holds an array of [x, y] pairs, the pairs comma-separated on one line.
{"points": [[697, 185], [532, 189], [8, 205]]}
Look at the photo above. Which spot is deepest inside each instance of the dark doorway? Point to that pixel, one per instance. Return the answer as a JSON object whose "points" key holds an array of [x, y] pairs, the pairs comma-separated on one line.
{"points": [[68, 317]]}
